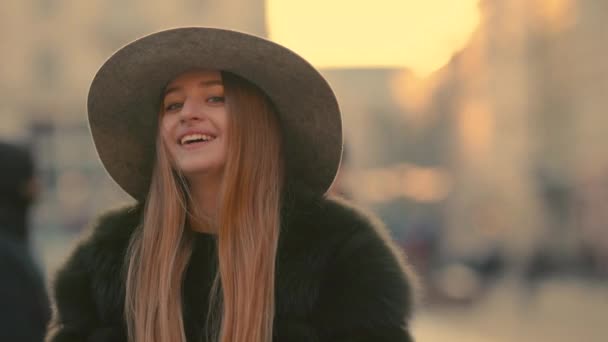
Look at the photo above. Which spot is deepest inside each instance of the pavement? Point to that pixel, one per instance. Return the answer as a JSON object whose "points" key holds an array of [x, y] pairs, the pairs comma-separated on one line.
{"points": [[556, 310]]}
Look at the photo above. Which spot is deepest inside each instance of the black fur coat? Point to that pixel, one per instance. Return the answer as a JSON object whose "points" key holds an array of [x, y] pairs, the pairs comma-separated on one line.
{"points": [[339, 278]]}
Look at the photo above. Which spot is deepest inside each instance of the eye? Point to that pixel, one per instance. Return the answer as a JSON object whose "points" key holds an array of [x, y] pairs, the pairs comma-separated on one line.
{"points": [[173, 106], [216, 99]]}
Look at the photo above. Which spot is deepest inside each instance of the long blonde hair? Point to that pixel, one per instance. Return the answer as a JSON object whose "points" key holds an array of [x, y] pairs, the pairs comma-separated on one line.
{"points": [[248, 222]]}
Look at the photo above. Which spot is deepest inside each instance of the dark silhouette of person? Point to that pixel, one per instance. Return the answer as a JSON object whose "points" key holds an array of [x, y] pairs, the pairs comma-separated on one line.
{"points": [[24, 304]]}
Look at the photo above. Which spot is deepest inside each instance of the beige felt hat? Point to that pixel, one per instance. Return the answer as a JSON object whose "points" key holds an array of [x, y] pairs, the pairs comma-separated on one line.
{"points": [[125, 95]]}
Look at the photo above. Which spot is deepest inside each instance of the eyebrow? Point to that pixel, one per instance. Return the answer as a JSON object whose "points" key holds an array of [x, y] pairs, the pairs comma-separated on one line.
{"points": [[208, 83]]}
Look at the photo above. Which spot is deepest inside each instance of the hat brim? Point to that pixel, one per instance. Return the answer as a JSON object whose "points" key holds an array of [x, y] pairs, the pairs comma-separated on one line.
{"points": [[124, 100]]}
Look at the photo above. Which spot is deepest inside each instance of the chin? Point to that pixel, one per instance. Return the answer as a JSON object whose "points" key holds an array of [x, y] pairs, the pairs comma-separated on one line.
{"points": [[200, 168]]}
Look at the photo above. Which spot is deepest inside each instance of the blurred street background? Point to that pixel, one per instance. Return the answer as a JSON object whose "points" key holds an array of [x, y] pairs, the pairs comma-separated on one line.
{"points": [[476, 129]]}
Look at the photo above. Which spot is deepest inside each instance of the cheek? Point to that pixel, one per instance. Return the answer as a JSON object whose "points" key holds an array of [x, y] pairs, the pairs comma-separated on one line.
{"points": [[224, 124], [164, 137], [165, 130]]}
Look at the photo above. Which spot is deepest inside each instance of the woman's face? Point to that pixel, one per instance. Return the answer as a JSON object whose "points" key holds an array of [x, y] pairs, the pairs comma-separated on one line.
{"points": [[194, 122]]}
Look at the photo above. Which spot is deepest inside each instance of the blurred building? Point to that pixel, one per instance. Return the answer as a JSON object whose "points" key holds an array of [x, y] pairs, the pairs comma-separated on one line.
{"points": [[527, 103], [500, 152], [508, 137]]}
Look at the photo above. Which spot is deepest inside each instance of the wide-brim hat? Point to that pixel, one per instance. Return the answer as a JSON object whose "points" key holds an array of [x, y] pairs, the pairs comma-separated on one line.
{"points": [[125, 96]]}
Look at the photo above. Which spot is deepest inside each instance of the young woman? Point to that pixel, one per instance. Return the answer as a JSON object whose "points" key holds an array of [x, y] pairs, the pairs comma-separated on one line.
{"points": [[228, 142]]}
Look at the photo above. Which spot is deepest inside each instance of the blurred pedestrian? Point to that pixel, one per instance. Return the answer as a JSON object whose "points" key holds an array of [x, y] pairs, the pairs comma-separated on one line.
{"points": [[229, 143], [24, 306]]}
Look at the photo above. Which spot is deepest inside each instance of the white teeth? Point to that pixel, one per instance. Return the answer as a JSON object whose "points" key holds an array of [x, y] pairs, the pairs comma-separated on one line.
{"points": [[192, 137]]}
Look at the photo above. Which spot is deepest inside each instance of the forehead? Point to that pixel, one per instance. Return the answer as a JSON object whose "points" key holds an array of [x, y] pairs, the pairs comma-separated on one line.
{"points": [[197, 76]]}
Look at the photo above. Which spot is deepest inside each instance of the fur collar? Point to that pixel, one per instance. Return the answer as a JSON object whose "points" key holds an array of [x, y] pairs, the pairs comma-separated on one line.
{"points": [[339, 277]]}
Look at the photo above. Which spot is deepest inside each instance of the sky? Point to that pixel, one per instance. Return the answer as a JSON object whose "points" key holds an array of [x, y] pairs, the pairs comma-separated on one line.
{"points": [[413, 34]]}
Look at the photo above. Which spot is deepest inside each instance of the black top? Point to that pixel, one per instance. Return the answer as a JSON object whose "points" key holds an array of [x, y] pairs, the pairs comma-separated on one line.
{"points": [[197, 285]]}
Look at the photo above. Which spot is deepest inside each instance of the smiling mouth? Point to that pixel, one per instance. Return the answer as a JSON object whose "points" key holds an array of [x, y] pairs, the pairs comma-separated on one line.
{"points": [[196, 138]]}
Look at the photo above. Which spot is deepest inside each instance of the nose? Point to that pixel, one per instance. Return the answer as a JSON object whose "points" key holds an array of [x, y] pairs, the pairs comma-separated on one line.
{"points": [[192, 110]]}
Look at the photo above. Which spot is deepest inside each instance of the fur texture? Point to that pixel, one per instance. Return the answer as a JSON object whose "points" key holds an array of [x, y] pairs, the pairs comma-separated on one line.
{"points": [[339, 278]]}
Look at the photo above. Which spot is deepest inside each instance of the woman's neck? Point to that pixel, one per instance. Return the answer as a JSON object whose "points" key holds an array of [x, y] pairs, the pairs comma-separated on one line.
{"points": [[204, 203]]}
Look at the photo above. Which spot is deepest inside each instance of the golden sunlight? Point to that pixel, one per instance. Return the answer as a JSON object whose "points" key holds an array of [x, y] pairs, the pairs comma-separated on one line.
{"points": [[413, 94], [476, 129], [419, 35], [556, 14]]}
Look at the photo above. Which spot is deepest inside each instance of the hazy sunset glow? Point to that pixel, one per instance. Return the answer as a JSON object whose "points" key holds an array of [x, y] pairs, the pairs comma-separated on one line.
{"points": [[420, 35]]}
